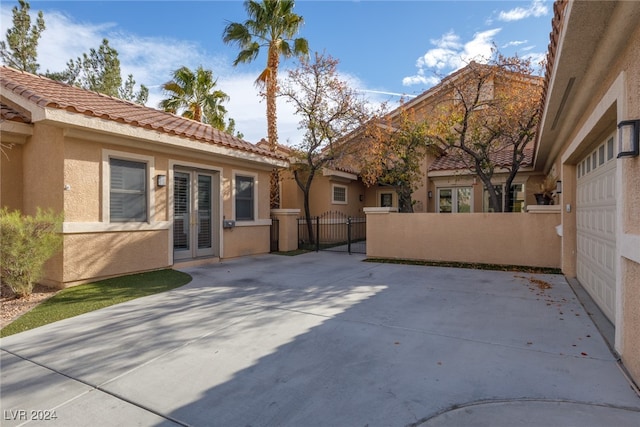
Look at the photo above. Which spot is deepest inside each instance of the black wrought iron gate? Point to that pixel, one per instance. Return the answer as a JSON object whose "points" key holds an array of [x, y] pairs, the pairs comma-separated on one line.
{"points": [[333, 231]]}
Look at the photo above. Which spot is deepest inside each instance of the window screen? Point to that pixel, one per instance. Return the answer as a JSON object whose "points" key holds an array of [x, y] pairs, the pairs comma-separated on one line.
{"points": [[128, 191]]}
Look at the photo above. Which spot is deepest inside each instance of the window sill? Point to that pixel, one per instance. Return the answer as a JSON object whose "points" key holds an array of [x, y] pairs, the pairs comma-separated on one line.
{"points": [[254, 223], [109, 227]]}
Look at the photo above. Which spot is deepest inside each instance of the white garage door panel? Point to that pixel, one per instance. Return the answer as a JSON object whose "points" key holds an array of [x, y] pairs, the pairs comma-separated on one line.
{"points": [[596, 233]]}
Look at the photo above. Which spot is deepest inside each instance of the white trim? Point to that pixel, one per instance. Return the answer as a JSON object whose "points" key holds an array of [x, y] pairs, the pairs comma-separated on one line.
{"points": [[333, 194], [377, 211], [125, 130], [454, 198], [107, 155], [614, 95], [255, 223], [103, 227], [543, 209], [17, 130], [256, 216], [204, 167], [285, 212]]}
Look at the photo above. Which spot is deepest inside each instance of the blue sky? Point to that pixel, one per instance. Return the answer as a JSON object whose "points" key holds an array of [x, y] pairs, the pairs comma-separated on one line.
{"points": [[385, 48]]}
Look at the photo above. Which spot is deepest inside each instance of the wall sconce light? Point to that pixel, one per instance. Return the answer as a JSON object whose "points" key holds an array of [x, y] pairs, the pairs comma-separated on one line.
{"points": [[162, 180], [430, 194], [629, 138], [558, 187], [362, 197]]}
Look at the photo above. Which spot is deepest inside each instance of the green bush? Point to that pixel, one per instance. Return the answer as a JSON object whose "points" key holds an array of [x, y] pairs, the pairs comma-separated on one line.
{"points": [[26, 243]]}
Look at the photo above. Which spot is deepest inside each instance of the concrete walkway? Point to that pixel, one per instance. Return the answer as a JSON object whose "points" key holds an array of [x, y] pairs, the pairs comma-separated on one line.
{"points": [[324, 340]]}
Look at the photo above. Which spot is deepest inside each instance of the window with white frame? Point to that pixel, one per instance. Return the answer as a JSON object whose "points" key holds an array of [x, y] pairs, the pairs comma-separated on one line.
{"points": [[128, 190], [517, 203], [338, 194], [245, 197], [454, 200]]}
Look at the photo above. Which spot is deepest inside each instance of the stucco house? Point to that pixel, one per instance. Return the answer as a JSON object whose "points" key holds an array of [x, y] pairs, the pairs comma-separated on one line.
{"points": [[335, 188], [140, 189], [588, 136], [447, 185]]}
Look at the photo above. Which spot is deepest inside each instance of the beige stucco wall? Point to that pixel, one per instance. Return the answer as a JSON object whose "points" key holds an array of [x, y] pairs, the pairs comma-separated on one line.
{"points": [[507, 239], [63, 169], [320, 195], [608, 92], [243, 241], [82, 175], [631, 306], [11, 178], [91, 256], [43, 175]]}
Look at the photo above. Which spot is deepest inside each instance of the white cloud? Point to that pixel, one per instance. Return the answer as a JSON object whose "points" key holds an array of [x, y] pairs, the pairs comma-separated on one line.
{"points": [[451, 54], [536, 9], [514, 43], [152, 60], [420, 79], [537, 59]]}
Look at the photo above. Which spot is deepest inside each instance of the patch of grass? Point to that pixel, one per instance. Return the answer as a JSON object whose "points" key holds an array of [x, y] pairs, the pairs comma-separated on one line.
{"points": [[475, 266], [93, 296], [292, 253]]}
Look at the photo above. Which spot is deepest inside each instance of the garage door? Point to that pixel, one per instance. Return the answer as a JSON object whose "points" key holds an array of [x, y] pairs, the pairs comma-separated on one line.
{"points": [[596, 223]]}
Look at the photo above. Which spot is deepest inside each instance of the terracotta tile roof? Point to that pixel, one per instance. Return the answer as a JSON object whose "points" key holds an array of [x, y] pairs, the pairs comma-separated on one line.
{"points": [[284, 150], [48, 93], [8, 113], [343, 166], [501, 159]]}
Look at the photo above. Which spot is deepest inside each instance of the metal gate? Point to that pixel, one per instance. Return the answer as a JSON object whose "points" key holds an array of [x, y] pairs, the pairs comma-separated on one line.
{"points": [[333, 231]]}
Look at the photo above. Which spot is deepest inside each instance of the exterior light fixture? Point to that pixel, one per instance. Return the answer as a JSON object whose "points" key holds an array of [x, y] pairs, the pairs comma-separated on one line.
{"points": [[629, 138], [162, 180], [430, 194], [362, 197], [558, 187]]}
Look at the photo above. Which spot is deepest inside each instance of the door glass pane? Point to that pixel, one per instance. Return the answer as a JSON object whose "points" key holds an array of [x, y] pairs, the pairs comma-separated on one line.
{"points": [[181, 211], [486, 203], [464, 200], [444, 198], [517, 198], [204, 211]]}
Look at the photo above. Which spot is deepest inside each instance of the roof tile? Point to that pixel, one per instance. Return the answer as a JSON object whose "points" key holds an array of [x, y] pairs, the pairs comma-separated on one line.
{"points": [[8, 113], [52, 94], [501, 159]]}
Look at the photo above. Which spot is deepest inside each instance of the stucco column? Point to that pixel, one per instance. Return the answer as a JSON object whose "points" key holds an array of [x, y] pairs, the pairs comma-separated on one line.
{"points": [[569, 220], [287, 228], [375, 222]]}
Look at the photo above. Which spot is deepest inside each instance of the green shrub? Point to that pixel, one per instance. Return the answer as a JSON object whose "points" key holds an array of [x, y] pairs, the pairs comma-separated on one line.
{"points": [[26, 243]]}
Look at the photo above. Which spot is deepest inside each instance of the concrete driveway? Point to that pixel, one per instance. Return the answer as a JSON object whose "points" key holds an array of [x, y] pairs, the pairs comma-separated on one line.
{"points": [[324, 340]]}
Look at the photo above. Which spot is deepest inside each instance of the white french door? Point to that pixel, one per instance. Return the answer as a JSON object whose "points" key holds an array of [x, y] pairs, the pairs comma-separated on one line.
{"points": [[195, 214]]}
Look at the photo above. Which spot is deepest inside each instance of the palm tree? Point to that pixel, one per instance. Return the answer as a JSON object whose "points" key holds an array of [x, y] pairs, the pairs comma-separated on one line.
{"points": [[271, 24], [196, 96]]}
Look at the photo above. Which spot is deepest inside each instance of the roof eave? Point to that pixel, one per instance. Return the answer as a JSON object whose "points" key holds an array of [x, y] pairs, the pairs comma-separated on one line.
{"points": [[82, 126], [591, 36]]}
